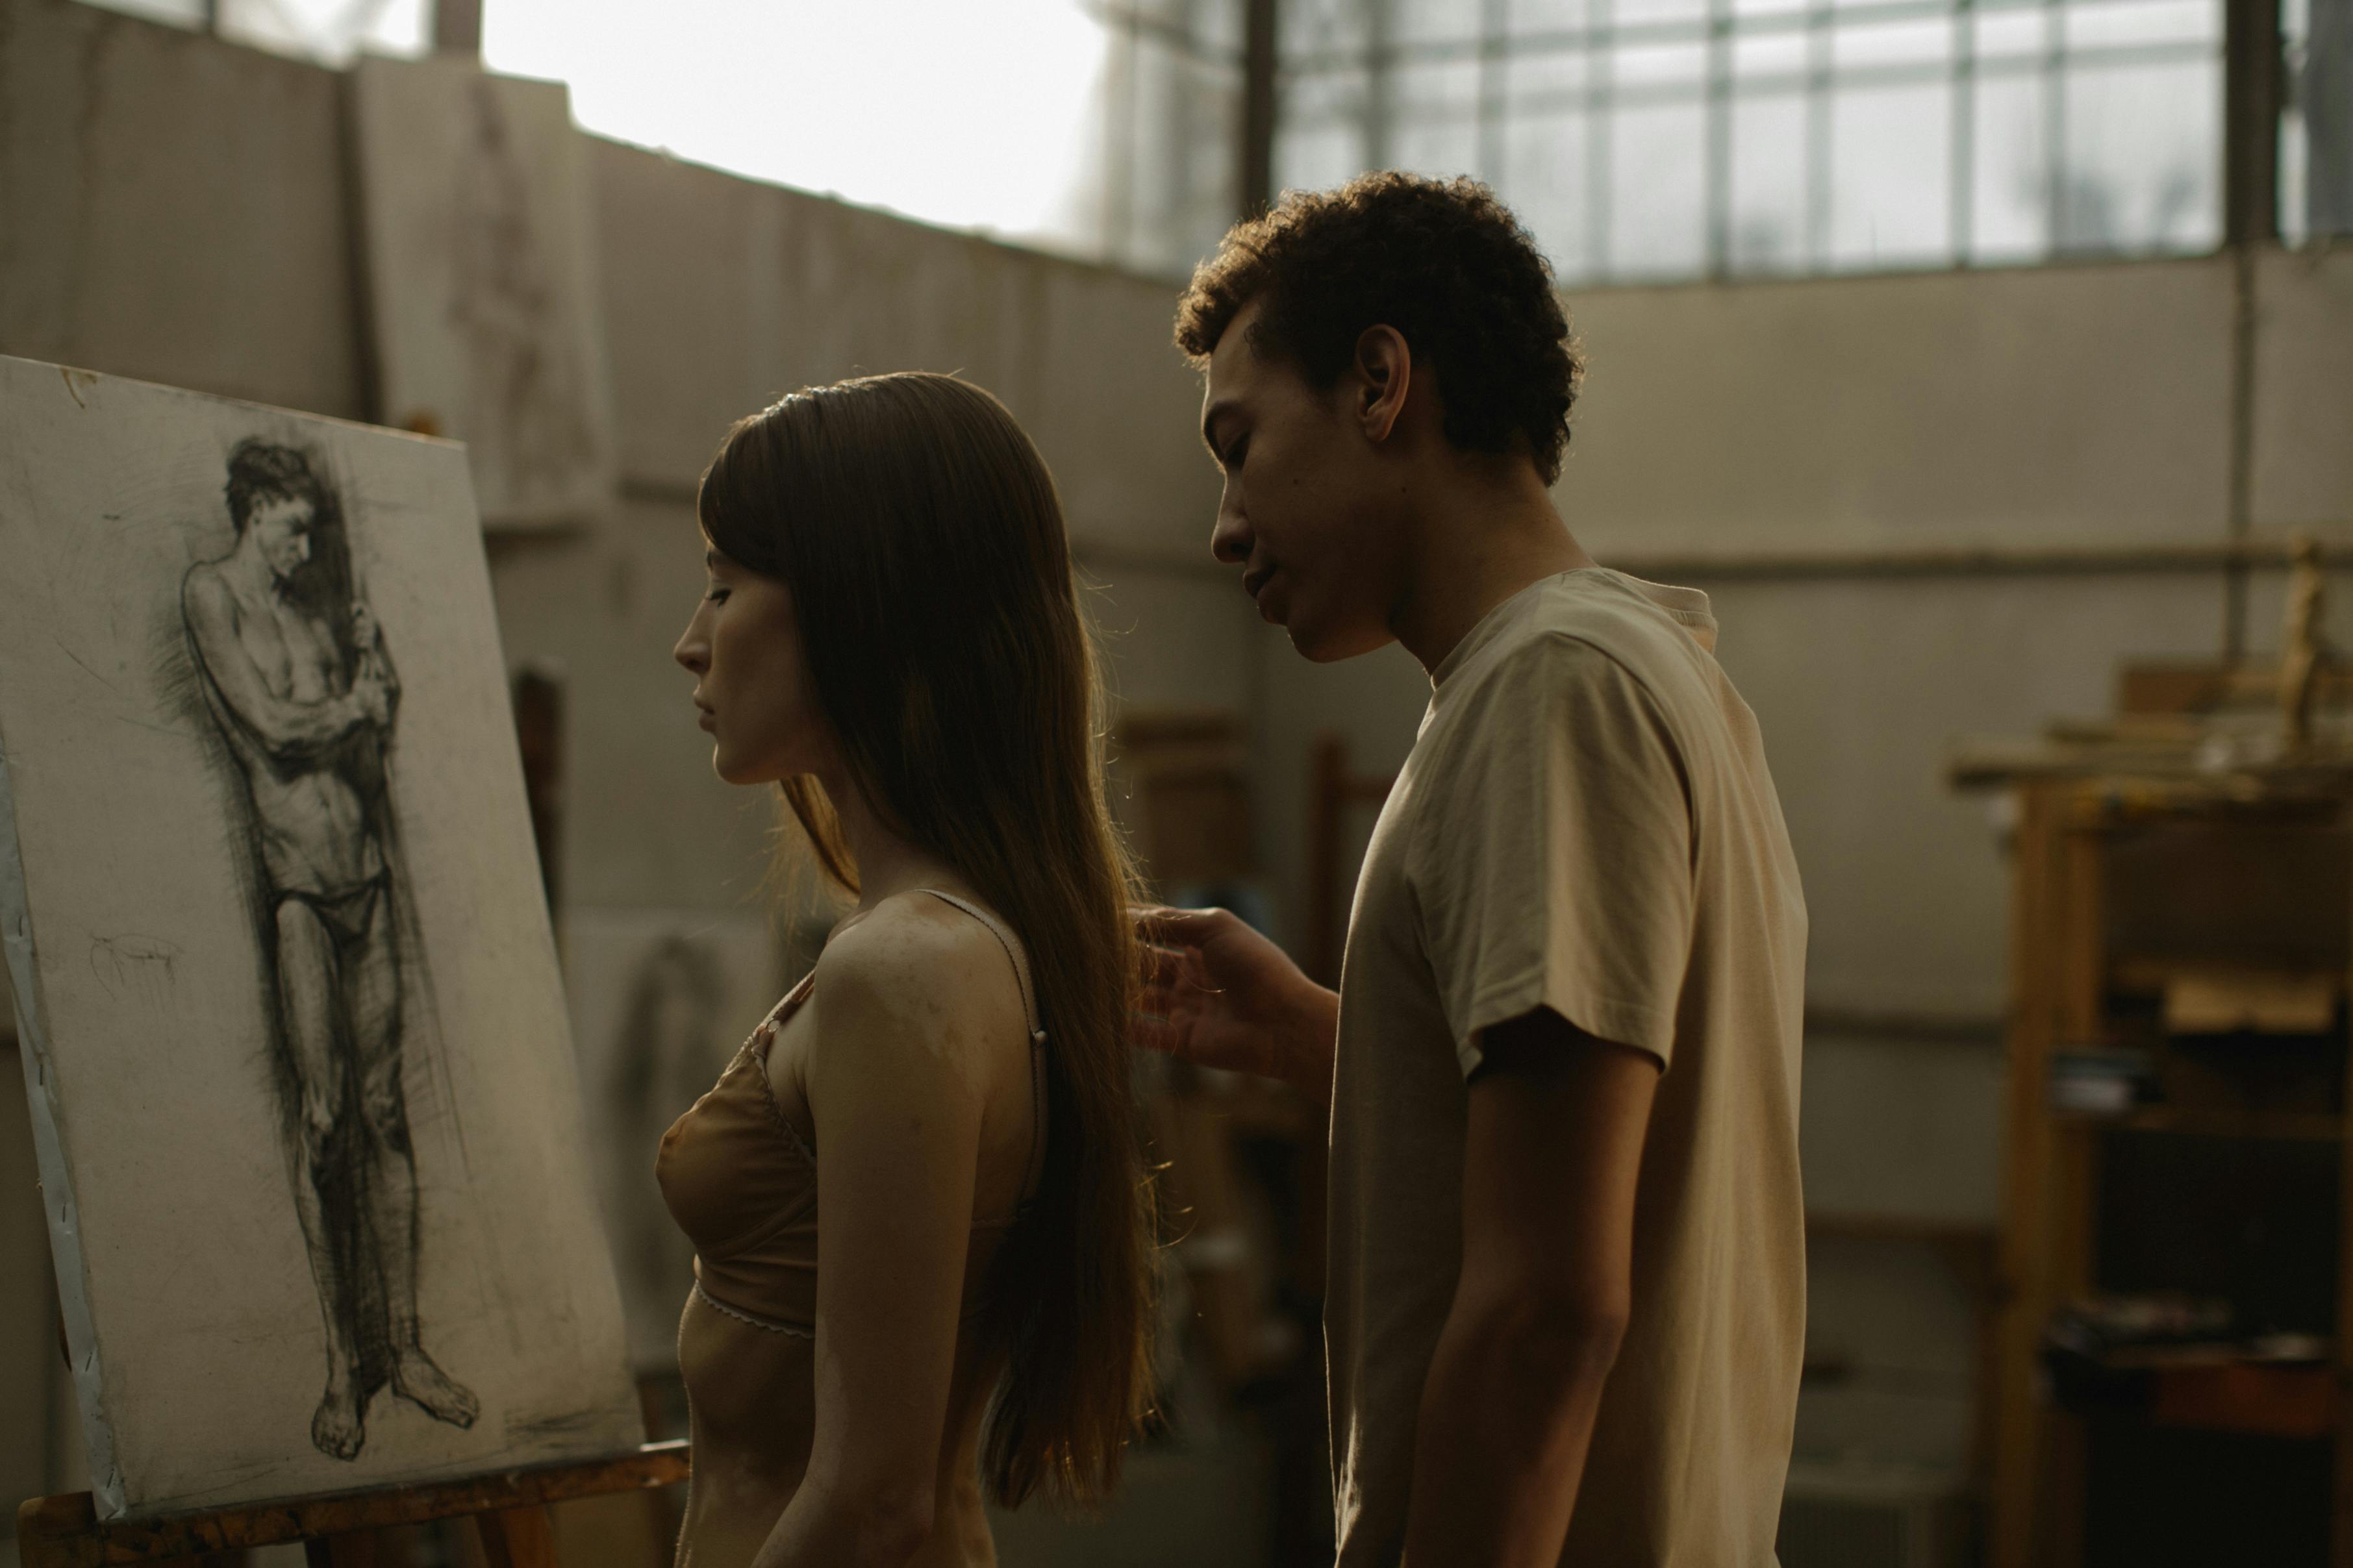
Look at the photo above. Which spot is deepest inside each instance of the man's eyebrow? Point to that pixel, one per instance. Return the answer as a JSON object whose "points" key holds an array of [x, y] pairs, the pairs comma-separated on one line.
{"points": [[710, 559]]}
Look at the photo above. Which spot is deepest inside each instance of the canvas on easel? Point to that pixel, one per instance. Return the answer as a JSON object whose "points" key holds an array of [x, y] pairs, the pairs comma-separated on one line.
{"points": [[478, 243], [294, 1037]]}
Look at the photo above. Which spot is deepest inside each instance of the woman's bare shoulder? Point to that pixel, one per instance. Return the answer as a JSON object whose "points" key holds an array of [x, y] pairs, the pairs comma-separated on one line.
{"points": [[922, 963]]}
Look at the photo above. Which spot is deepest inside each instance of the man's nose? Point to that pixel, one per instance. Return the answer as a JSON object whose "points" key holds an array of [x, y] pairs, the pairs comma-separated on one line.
{"points": [[1229, 541]]}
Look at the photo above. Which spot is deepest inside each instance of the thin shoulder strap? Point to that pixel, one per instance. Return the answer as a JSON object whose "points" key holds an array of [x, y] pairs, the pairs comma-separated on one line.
{"points": [[1005, 938], [1036, 1166]]}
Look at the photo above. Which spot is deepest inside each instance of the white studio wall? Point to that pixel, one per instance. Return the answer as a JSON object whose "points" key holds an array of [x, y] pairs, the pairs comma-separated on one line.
{"points": [[294, 1041]]}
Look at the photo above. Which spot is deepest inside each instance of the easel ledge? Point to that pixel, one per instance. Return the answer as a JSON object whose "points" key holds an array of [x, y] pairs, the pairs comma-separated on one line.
{"points": [[510, 1508]]}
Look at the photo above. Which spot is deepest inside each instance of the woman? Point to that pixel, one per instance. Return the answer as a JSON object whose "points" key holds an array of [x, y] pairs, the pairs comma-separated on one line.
{"points": [[917, 1206]]}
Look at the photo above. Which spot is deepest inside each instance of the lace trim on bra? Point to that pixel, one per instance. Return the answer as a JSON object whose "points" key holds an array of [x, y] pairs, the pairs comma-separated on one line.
{"points": [[766, 1325], [764, 1039]]}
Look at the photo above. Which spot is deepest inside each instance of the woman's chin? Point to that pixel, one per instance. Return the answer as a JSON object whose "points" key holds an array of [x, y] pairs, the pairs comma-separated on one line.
{"points": [[739, 771]]}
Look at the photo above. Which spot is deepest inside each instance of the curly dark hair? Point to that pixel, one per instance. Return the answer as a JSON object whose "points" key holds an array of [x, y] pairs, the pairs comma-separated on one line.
{"points": [[1444, 262], [263, 470]]}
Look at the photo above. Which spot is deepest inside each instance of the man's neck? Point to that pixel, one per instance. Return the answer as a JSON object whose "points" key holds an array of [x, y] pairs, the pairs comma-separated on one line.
{"points": [[1479, 544], [254, 570]]}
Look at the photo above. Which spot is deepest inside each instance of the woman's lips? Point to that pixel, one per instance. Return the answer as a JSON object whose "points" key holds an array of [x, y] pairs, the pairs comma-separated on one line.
{"points": [[708, 720]]}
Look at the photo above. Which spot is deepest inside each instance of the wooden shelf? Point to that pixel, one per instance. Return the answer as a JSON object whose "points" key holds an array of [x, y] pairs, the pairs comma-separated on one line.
{"points": [[2147, 975], [2275, 1399], [2232, 927], [2310, 1125]]}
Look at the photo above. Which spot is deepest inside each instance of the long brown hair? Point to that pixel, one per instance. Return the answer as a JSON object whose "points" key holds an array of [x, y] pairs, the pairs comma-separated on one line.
{"points": [[919, 534]]}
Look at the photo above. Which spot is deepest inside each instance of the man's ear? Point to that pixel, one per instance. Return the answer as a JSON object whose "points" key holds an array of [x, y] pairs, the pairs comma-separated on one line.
{"points": [[1384, 376]]}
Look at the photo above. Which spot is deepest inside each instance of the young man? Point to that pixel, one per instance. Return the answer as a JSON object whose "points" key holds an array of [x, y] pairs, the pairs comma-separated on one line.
{"points": [[1567, 1284]]}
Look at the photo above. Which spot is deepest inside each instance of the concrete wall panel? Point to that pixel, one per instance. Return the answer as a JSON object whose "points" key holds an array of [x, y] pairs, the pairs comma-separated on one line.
{"points": [[1173, 641], [687, 305], [1119, 415], [2037, 407], [724, 294], [172, 209], [2304, 393]]}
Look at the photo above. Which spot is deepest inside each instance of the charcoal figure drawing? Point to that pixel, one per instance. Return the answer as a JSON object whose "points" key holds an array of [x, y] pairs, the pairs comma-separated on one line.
{"points": [[297, 680]]}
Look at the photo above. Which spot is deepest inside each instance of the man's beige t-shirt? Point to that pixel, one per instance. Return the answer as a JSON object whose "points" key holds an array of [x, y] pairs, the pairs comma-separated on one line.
{"points": [[1586, 823]]}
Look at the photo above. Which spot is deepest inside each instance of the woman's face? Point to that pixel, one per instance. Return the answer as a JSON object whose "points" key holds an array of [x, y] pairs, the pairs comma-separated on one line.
{"points": [[743, 648]]}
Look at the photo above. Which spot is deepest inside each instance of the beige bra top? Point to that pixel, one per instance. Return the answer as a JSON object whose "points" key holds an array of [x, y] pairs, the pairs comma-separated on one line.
{"points": [[741, 1179]]}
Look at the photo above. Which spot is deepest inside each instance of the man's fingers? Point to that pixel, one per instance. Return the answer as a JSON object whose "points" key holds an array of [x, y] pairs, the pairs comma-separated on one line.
{"points": [[1166, 966], [1162, 925], [1154, 1034], [1175, 998]]}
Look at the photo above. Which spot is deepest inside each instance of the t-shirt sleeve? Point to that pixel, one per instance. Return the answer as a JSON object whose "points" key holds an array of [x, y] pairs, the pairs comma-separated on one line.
{"points": [[1552, 861]]}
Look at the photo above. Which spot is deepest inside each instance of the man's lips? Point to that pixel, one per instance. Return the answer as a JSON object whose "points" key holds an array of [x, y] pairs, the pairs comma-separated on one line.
{"points": [[1254, 581], [705, 717]]}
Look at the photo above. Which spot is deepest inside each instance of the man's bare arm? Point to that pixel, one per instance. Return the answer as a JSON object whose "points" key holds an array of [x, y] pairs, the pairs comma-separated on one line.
{"points": [[373, 659], [291, 729], [1555, 1146], [1219, 994]]}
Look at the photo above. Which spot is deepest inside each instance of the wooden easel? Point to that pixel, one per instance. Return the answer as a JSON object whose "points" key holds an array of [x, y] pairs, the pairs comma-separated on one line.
{"points": [[509, 1510]]}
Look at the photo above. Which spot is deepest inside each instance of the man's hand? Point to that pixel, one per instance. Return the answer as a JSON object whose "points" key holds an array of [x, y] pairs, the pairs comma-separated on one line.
{"points": [[373, 696], [1219, 994]]}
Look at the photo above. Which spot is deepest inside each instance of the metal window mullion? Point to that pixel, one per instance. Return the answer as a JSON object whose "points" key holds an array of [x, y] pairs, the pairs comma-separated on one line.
{"points": [[1717, 193], [1380, 100], [1817, 135], [1536, 43], [2054, 122], [1961, 160], [1796, 83], [1493, 23], [1601, 78]]}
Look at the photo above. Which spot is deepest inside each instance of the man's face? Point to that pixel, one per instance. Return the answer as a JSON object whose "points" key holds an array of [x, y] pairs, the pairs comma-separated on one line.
{"points": [[1304, 512], [280, 530]]}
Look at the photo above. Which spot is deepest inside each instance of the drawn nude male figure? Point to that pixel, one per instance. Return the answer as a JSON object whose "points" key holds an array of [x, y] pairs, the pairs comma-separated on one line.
{"points": [[304, 695]]}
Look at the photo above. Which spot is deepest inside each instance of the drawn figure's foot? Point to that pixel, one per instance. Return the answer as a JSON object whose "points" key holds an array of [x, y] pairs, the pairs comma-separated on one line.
{"points": [[416, 1378], [335, 1428]]}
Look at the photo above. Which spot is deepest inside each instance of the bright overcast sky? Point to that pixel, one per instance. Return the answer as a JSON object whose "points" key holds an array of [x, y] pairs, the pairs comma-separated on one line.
{"points": [[959, 111]]}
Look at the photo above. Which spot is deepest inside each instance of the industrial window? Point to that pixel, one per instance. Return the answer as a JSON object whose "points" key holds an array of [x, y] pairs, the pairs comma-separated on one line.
{"points": [[1163, 186], [1667, 138], [1641, 140], [2316, 130]]}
